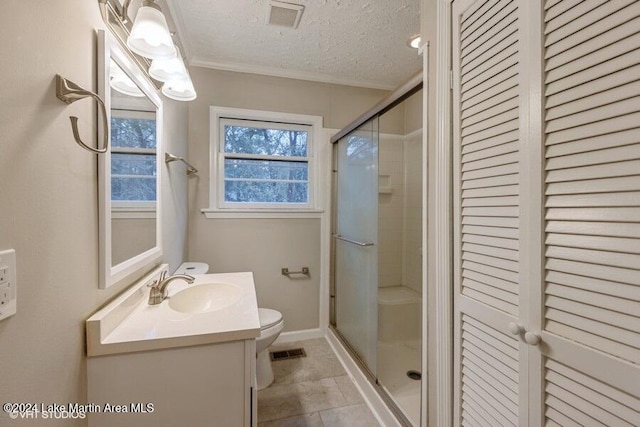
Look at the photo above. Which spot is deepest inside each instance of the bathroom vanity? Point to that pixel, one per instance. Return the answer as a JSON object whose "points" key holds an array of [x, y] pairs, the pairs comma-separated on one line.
{"points": [[189, 360]]}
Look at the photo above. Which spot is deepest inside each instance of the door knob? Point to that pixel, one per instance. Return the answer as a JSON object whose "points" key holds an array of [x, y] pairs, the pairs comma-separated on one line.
{"points": [[532, 338], [515, 328]]}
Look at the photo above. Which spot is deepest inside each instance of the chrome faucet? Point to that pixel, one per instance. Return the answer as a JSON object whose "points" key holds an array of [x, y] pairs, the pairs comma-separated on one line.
{"points": [[158, 291]]}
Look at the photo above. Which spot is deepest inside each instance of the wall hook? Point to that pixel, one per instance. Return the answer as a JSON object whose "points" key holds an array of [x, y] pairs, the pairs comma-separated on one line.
{"points": [[69, 92]]}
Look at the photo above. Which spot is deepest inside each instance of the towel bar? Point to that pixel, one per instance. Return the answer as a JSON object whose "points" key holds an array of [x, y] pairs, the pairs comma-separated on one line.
{"points": [[68, 92], [168, 158]]}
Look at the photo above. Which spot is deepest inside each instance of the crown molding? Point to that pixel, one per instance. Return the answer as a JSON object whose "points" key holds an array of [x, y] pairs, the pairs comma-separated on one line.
{"points": [[290, 74]]}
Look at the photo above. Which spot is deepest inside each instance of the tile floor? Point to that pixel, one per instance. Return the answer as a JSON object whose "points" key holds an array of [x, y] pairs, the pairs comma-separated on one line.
{"points": [[312, 391]]}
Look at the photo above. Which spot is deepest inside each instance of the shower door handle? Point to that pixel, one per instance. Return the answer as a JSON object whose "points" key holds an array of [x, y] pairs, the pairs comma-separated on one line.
{"points": [[354, 242]]}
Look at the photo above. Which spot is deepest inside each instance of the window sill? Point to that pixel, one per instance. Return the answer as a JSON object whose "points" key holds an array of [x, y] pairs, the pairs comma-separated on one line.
{"points": [[261, 214]]}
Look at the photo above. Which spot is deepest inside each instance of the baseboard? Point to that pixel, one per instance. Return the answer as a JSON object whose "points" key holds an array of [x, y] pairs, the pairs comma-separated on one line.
{"points": [[379, 408], [305, 334]]}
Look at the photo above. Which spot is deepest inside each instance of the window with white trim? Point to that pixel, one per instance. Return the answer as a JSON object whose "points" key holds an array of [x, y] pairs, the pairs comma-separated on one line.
{"points": [[133, 159], [264, 161]]}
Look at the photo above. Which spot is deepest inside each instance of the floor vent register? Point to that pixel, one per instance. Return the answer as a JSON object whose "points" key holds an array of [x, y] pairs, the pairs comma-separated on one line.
{"points": [[288, 354]]}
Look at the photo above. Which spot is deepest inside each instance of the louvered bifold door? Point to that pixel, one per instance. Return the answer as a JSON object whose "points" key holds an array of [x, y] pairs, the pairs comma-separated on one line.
{"points": [[590, 340], [486, 152]]}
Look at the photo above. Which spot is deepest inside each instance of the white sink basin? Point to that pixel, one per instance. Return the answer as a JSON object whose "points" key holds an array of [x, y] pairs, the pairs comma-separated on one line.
{"points": [[205, 297], [215, 308]]}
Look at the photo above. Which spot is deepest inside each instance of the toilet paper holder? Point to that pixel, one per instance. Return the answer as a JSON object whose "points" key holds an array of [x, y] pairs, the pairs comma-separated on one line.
{"points": [[305, 271]]}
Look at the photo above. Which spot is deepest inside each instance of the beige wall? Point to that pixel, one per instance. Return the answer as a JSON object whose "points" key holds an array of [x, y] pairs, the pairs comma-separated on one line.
{"points": [[130, 237], [48, 193], [174, 215], [265, 246]]}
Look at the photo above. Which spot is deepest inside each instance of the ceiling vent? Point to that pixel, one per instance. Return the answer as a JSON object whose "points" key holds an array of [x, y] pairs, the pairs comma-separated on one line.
{"points": [[284, 14]]}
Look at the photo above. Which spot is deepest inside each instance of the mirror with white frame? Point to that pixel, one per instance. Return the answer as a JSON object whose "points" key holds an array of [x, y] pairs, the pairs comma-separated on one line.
{"points": [[129, 172]]}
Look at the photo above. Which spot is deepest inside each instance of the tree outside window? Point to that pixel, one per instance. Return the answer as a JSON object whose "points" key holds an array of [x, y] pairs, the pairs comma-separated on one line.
{"points": [[265, 163], [133, 156]]}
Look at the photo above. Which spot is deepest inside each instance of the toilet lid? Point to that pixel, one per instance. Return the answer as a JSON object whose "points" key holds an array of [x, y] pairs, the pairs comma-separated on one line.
{"points": [[268, 317]]}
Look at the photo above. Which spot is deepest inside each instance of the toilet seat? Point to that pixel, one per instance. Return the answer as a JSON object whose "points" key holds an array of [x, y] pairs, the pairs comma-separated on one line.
{"points": [[268, 317]]}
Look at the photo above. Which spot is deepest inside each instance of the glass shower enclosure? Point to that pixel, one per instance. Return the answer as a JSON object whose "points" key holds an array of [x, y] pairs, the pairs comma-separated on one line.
{"points": [[376, 256], [356, 238]]}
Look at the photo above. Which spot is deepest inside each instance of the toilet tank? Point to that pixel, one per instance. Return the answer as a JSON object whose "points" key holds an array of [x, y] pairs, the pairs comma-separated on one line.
{"points": [[192, 268]]}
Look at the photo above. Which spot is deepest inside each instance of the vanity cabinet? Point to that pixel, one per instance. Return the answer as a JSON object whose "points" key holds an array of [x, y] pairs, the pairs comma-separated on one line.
{"points": [[157, 366], [196, 386]]}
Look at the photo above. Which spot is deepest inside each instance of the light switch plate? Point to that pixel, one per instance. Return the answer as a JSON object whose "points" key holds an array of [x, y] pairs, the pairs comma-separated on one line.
{"points": [[8, 284]]}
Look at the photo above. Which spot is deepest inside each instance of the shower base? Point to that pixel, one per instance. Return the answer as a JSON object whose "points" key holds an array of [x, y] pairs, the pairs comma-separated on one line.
{"points": [[394, 360]]}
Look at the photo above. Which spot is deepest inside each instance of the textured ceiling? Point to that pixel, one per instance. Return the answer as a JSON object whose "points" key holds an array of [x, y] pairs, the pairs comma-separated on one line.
{"points": [[356, 42]]}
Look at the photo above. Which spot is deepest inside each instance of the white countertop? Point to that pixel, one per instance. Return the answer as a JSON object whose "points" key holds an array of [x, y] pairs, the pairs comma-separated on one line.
{"points": [[130, 324]]}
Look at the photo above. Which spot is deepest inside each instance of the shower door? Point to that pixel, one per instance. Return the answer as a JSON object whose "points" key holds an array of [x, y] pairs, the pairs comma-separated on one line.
{"points": [[356, 237]]}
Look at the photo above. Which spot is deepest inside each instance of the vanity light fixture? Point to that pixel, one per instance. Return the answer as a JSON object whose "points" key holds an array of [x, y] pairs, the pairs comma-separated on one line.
{"points": [[150, 36], [166, 69], [179, 89], [120, 82], [174, 74]]}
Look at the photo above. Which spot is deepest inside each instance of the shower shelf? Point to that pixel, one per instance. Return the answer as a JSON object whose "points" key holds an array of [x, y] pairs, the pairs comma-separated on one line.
{"points": [[384, 184]]}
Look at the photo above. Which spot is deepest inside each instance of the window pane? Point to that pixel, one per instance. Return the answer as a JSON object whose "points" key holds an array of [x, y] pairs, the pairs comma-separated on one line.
{"points": [[133, 189], [133, 164], [265, 141], [133, 133], [266, 192], [133, 177], [266, 169]]}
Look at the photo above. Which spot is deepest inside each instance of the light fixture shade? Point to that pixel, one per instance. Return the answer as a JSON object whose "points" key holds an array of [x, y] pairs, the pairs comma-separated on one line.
{"points": [[166, 69], [120, 82], [415, 41], [150, 35], [179, 89]]}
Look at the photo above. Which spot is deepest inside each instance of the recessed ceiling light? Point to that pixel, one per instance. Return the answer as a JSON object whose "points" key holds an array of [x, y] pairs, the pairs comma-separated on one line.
{"points": [[414, 41]]}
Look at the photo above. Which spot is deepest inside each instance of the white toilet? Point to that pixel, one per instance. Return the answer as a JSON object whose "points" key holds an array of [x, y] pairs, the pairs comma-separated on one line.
{"points": [[271, 324], [192, 268]]}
